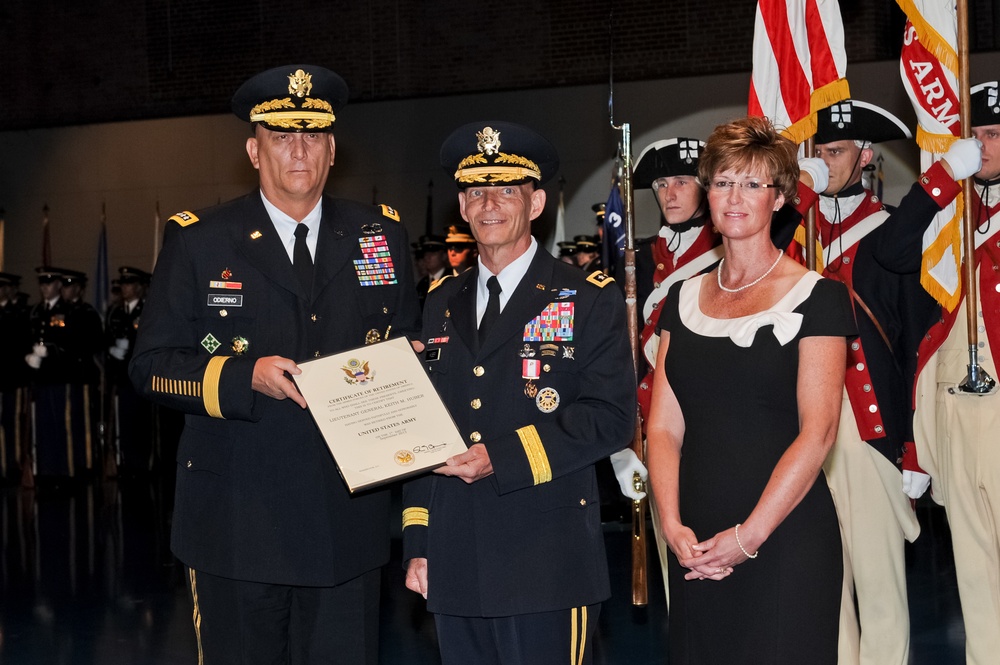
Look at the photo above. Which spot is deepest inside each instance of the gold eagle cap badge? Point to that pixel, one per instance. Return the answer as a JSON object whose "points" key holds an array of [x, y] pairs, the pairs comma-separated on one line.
{"points": [[488, 141], [299, 83]]}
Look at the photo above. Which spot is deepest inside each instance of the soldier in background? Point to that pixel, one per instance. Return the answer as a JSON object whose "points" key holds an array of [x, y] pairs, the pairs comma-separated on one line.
{"points": [[15, 338], [588, 253], [432, 257], [567, 252], [130, 415], [48, 375], [462, 251]]}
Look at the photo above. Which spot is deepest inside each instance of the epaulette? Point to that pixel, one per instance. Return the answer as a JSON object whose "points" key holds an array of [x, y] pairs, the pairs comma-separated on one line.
{"points": [[389, 212], [185, 218], [438, 283], [598, 278]]}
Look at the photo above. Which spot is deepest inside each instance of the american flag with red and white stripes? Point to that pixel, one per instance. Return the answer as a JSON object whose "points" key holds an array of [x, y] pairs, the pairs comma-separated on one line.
{"points": [[799, 63]]}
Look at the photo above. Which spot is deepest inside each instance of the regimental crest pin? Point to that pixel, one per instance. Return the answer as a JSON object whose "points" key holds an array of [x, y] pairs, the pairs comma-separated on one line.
{"points": [[240, 345]]}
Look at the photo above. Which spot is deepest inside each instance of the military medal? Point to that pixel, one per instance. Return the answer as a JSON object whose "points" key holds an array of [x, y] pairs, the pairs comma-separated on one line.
{"points": [[547, 400], [530, 371]]}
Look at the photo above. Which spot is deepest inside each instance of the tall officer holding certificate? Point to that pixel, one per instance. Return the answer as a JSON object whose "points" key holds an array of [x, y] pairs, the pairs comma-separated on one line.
{"points": [[283, 562], [530, 357]]}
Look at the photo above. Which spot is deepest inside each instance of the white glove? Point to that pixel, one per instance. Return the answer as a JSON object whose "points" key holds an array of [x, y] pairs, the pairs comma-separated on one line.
{"points": [[40, 350], [122, 343], [965, 157], [33, 361], [626, 464], [915, 483], [818, 171], [117, 352]]}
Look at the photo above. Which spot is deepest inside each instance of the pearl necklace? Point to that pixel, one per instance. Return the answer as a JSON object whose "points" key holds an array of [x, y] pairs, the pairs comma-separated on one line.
{"points": [[718, 275]]}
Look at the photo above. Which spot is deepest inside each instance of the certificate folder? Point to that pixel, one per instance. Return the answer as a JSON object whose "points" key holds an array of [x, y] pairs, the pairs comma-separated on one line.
{"points": [[379, 413]]}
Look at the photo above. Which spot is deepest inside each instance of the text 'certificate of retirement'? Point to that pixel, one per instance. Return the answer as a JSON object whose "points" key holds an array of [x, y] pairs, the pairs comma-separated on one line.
{"points": [[379, 413]]}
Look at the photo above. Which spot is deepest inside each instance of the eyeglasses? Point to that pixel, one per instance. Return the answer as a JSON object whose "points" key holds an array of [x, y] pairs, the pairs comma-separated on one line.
{"points": [[726, 186]]}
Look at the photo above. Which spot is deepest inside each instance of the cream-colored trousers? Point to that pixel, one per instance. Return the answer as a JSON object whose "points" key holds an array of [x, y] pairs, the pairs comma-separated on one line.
{"points": [[958, 444], [875, 518]]}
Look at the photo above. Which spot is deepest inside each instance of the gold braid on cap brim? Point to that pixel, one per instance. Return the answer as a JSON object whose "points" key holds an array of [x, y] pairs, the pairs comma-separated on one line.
{"points": [[521, 168], [266, 112]]}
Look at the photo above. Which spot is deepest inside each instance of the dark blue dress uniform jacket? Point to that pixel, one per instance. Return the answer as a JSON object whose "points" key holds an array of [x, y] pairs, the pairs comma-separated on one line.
{"points": [[527, 538], [259, 497]]}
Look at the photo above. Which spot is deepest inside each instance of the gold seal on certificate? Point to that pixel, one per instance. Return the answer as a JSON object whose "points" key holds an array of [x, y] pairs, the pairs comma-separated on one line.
{"points": [[379, 413]]}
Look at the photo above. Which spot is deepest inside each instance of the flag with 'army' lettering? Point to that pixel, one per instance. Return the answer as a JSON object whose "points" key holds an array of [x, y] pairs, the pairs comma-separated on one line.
{"points": [[928, 65]]}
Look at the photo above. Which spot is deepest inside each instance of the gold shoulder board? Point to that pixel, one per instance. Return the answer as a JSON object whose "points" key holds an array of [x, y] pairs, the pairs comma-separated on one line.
{"points": [[389, 212], [185, 218], [600, 279], [438, 283]]}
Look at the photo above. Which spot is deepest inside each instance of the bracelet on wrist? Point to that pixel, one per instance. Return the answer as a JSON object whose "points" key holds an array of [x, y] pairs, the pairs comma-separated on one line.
{"points": [[743, 549]]}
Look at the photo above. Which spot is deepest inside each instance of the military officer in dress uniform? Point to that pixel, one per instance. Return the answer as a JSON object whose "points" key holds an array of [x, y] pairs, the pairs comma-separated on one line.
{"points": [[15, 339], [529, 355], [59, 371], [283, 563], [461, 246], [130, 416], [958, 433], [858, 247]]}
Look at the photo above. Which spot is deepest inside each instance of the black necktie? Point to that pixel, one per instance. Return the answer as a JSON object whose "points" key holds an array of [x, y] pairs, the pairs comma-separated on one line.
{"points": [[301, 259], [492, 308]]}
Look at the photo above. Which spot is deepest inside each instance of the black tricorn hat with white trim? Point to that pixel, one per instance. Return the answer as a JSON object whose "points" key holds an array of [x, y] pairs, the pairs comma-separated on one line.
{"points": [[665, 159], [985, 104], [852, 120]]}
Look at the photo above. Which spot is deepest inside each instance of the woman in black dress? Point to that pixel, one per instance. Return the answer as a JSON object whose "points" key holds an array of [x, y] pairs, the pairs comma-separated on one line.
{"points": [[745, 408]]}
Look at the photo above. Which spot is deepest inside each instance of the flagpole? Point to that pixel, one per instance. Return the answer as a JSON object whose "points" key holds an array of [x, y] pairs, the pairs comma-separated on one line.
{"points": [[977, 381], [809, 149]]}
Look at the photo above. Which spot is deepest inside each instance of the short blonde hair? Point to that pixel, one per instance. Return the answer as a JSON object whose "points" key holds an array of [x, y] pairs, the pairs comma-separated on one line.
{"points": [[751, 144]]}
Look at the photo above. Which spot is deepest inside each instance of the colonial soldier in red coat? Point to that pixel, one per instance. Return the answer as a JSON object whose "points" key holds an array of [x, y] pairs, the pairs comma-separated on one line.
{"points": [[859, 246], [958, 433]]}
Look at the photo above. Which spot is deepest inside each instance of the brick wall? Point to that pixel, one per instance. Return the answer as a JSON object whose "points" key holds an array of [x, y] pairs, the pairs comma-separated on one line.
{"points": [[105, 60]]}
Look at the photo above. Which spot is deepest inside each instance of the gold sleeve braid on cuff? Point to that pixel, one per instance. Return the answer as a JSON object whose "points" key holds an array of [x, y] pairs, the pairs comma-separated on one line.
{"points": [[415, 517], [210, 382], [176, 387], [535, 451]]}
